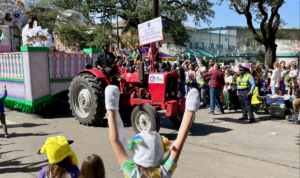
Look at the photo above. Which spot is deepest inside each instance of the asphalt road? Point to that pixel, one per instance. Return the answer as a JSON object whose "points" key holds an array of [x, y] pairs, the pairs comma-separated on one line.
{"points": [[224, 148]]}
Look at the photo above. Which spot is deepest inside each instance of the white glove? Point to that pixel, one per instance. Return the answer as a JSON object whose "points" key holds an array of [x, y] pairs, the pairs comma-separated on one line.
{"points": [[112, 97], [192, 100]]}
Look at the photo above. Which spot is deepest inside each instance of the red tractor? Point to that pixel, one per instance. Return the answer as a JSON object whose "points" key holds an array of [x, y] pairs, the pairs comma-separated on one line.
{"points": [[142, 95]]}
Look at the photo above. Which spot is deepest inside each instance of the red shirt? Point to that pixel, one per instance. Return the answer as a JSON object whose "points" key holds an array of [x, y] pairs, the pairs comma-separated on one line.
{"points": [[216, 78]]}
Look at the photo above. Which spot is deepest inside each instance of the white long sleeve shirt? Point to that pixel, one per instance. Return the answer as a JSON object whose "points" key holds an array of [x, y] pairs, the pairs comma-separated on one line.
{"points": [[275, 78], [228, 83]]}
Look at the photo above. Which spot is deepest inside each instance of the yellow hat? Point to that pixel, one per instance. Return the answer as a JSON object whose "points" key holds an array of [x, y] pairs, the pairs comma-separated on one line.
{"points": [[57, 149]]}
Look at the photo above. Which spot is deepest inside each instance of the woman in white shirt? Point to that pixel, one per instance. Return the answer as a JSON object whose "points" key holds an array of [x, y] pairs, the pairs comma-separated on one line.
{"points": [[275, 79], [9, 22], [227, 89]]}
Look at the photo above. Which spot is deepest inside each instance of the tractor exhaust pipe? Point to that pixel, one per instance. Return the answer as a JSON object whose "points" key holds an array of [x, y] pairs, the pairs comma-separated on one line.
{"points": [[141, 72]]}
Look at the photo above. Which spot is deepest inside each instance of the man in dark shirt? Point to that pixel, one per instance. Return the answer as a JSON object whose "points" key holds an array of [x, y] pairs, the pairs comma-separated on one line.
{"points": [[105, 59], [216, 84], [181, 80]]}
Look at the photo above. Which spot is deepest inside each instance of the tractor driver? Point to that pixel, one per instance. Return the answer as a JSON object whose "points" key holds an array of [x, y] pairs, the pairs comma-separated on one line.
{"points": [[105, 59]]}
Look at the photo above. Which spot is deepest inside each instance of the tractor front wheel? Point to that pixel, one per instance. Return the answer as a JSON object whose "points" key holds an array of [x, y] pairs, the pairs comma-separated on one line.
{"points": [[86, 98], [176, 120], [144, 118]]}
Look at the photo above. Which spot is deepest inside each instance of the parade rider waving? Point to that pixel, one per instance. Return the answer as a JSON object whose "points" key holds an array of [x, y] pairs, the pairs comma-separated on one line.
{"points": [[246, 86]]}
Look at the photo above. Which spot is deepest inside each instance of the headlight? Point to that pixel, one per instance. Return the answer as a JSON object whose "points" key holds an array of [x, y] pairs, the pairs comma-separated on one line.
{"points": [[167, 95], [173, 93]]}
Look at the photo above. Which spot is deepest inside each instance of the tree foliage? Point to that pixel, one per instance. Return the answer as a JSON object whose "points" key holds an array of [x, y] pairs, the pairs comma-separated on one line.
{"points": [[264, 12], [69, 26], [102, 34], [260, 56], [72, 35], [135, 12], [131, 39], [280, 35], [49, 16]]}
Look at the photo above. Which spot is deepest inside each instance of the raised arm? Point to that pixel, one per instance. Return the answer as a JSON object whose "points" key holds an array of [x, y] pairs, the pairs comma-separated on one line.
{"points": [[184, 66], [116, 128], [192, 105]]}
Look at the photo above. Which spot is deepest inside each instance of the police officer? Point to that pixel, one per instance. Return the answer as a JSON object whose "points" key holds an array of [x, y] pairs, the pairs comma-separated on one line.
{"points": [[245, 89], [105, 59]]}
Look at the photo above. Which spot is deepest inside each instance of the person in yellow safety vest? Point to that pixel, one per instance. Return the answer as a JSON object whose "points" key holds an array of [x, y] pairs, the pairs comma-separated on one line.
{"points": [[245, 88]]}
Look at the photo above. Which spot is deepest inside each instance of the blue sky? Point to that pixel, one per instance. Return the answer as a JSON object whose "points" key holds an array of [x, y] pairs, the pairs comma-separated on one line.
{"points": [[226, 17]]}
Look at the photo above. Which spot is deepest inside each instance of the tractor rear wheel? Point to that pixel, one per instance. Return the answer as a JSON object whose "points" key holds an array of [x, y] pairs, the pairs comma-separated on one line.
{"points": [[144, 118], [176, 120], [86, 98]]}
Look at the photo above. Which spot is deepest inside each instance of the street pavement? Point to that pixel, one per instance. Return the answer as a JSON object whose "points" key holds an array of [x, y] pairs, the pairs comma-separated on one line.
{"points": [[218, 146]]}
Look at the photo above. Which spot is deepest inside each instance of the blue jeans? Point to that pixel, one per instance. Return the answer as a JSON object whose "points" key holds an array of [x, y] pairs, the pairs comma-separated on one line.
{"points": [[215, 96], [274, 90], [187, 89], [181, 85]]}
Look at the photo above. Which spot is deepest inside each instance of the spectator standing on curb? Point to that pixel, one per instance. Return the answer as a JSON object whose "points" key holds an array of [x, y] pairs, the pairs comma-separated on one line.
{"points": [[206, 62], [202, 82], [181, 81], [275, 78], [283, 75], [216, 84], [244, 81], [2, 115], [257, 74], [293, 77], [190, 75], [227, 89]]}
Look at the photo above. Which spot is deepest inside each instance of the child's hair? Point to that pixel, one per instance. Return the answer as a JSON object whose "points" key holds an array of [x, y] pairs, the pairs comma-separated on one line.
{"points": [[227, 71], [59, 170], [293, 66], [92, 167]]}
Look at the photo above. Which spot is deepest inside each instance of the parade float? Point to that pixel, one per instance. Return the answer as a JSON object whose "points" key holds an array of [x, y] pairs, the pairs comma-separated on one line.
{"points": [[34, 76]]}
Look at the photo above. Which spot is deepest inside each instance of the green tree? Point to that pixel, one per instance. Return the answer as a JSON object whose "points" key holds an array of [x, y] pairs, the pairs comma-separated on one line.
{"points": [[102, 34], [260, 56], [131, 39], [280, 35], [135, 12], [49, 16], [74, 35], [265, 12]]}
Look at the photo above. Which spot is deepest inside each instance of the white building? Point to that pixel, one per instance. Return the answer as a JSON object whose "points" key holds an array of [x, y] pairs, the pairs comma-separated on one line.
{"points": [[226, 42]]}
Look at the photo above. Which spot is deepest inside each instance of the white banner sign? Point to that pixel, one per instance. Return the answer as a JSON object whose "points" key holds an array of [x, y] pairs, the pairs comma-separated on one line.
{"points": [[151, 31], [156, 78]]}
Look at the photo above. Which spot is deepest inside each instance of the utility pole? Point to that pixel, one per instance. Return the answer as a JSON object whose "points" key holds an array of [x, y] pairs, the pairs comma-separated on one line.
{"points": [[117, 24], [155, 15]]}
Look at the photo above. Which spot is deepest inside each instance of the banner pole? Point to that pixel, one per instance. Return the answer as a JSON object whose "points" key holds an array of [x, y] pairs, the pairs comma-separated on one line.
{"points": [[152, 58]]}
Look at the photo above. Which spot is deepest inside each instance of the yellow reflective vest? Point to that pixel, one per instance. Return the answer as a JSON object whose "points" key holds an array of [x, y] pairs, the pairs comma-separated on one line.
{"points": [[242, 83]]}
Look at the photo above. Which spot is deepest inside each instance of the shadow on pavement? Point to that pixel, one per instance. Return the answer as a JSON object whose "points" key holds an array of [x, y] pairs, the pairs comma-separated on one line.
{"points": [[13, 134], [25, 125], [198, 130], [14, 165], [7, 144], [234, 120], [298, 140], [60, 109], [9, 151]]}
